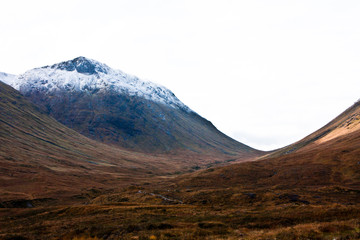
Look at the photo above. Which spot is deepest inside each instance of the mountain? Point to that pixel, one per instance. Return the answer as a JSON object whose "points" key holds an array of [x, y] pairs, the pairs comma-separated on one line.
{"points": [[57, 183], [113, 107], [40, 157]]}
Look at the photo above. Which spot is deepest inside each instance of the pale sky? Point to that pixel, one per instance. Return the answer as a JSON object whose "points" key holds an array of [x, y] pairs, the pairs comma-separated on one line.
{"points": [[266, 73]]}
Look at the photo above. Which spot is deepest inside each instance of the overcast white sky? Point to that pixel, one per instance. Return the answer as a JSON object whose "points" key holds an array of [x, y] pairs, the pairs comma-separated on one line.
{"points": [[266, 73]]}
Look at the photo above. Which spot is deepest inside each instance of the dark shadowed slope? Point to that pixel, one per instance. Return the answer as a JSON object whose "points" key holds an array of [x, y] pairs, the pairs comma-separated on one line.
{"points": [[116, 108]]}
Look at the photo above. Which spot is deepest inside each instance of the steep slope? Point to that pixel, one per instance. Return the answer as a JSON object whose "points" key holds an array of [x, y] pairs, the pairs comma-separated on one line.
{"points": [[115, 108], [347, 122]]}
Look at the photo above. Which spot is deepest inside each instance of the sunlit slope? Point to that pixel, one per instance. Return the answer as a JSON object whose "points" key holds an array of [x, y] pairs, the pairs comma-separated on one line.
{"points": [[346, 123]]}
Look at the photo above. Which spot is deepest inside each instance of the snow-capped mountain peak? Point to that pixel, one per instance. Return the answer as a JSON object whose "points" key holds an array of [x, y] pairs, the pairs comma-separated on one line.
{"points": [[84, 74], [82, 65]]}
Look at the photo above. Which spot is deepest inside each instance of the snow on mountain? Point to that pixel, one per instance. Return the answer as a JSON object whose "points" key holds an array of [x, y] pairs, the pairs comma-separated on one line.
{"points": [[7, 78], [83, 74]]}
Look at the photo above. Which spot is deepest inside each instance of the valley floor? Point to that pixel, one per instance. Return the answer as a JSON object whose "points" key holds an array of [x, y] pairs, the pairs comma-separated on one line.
{"points": [[146, 213]]}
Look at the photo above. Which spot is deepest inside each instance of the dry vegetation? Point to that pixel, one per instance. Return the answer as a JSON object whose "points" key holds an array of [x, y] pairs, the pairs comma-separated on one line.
{"points": [[311, 194], [156, 219], [51, 190]]}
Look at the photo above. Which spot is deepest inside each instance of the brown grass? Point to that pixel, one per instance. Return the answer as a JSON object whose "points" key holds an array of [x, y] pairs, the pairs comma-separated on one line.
{"points": [[141, 221]]}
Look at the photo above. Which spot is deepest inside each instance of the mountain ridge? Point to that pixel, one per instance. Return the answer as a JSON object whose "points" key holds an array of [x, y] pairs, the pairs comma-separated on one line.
{"points": [[86, 75], [110, 106]]}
